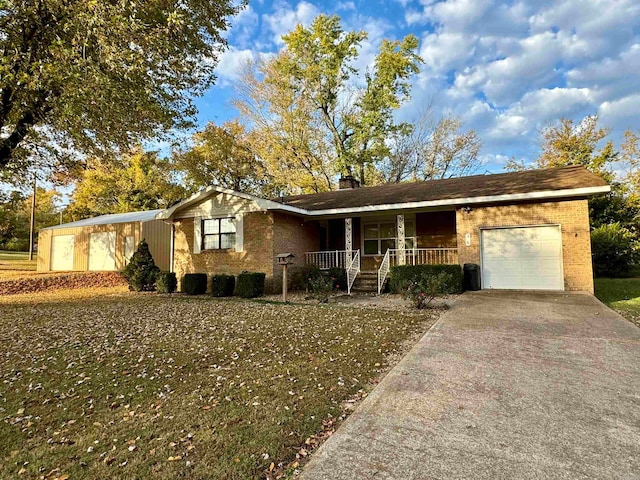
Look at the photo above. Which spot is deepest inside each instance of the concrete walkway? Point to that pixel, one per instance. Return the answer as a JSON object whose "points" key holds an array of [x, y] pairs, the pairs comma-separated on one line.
{"points": [[504, 386]]}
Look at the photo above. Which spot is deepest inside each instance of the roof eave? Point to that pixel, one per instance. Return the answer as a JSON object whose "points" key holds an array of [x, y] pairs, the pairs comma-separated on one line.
{"points": [[262, 203], [511, 197]]}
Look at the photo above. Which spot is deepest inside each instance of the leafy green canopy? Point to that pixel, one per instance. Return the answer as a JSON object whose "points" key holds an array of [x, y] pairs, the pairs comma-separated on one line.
{"points": [[137, 181], [95, 76], [313, 111]]}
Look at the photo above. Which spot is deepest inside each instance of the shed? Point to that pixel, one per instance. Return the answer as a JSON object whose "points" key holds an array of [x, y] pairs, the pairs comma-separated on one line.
{"points": [[104, 243]]}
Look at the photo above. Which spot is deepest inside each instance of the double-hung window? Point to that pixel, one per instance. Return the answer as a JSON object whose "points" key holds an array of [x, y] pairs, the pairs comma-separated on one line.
{"points": [[218, 233]]}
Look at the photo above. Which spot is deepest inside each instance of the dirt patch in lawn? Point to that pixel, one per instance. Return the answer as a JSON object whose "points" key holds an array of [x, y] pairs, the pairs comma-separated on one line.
{"points": [[41, 283], [146, 385]]}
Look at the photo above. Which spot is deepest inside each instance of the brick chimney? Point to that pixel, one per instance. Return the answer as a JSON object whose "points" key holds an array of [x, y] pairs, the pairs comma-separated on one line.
{"points": [[347, 182]]}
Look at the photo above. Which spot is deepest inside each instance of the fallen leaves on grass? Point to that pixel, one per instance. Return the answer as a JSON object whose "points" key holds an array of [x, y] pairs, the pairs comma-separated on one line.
{"points": [[41, 283], [145, 385]]}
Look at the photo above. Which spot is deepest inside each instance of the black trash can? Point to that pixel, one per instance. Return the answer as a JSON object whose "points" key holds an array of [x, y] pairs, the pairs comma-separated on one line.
{"points": [[471, 280]]}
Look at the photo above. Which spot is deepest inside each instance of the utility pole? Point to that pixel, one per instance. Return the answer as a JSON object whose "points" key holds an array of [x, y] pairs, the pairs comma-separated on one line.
{"points": [[33, 216]]}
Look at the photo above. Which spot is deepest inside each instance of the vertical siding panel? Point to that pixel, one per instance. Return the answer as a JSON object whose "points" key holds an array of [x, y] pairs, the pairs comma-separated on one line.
{"points": [[44, 251], [157, 233]]}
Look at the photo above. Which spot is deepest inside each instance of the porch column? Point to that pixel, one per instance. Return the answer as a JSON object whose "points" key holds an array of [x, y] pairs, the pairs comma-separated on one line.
{"points": [[348, 235], [400, 240]]}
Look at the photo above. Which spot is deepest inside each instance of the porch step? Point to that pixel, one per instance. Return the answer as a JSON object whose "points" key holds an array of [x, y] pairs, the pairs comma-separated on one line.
{"points": [[366, 282]]}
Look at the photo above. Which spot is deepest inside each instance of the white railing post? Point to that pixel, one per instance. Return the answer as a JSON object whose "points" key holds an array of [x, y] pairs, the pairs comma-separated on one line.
{"points": [[383, 270], [353, 268]]}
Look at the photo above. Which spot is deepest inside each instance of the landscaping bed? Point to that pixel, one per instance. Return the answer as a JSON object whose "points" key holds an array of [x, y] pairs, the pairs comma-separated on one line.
{"points": [[160, 386]]}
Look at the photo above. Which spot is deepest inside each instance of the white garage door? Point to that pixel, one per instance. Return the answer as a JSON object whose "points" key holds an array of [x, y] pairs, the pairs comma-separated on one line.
{"points": [[62, 253], [102, 251], [528, 258]]}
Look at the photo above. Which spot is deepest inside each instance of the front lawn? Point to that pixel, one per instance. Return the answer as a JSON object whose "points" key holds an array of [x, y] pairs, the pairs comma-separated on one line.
{"points": [[621, 294], [148, 386], [16, 261]]}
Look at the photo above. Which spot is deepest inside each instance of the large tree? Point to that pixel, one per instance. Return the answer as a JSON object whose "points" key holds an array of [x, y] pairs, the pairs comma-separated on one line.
{"points": [[431, 149], [137, 181], [15, 216], [313, 106], [222, 155], [585, 143], [569, 143], [91, 76]]}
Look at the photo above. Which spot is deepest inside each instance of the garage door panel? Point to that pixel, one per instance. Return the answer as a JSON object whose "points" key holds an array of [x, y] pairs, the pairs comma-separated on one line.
{"points": [[102, 251], [522, 258], [62, 248]]}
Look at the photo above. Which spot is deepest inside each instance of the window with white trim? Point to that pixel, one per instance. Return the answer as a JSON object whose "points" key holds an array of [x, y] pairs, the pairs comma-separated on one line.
{"points": [[218, 233], [380, 236]]}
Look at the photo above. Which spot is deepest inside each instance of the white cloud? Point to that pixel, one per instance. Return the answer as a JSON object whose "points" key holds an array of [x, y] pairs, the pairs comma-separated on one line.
{"points": [[621, 114], [230, 64], [285, 19]]}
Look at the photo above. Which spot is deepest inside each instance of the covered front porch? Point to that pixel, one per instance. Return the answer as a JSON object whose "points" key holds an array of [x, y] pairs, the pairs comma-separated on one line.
{"points": [[373, 244]]}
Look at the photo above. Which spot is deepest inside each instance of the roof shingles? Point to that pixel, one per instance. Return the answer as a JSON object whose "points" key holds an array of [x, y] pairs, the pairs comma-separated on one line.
{"points": [[529, 181]]}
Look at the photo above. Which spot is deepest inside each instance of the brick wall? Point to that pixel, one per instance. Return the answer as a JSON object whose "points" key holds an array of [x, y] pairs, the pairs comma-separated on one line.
{"points": [[256, 256], [265, 234], [294, 235], [573, 216]]}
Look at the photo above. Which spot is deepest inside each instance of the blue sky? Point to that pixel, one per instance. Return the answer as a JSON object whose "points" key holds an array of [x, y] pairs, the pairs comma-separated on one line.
{"points": [[506, 68]]}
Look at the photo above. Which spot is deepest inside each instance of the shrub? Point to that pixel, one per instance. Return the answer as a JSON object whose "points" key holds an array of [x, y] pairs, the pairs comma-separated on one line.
{"points": [[338, 278], [223, 285], [614, 249], [301, 275], [320, 288], [427, 286], [403, 276], [166, 282], [250, 284], [141, 271], [194, 283]]}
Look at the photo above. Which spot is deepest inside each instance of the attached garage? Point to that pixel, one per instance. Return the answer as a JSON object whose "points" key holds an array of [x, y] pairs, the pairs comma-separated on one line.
{"points": [[104, 243], [62, 247], [522, 258]]}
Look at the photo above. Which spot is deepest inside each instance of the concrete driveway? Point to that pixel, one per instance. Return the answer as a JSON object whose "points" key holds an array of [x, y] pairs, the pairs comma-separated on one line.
{"points": [[505, 385]]}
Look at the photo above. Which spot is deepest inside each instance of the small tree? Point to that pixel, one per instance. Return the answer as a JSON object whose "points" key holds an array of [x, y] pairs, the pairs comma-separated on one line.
{"points": [[141, 271], [614, 249]]}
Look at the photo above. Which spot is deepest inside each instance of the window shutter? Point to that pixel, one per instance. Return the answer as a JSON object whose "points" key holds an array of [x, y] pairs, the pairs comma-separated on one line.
{"points": [[239, 232], [197, 234]]}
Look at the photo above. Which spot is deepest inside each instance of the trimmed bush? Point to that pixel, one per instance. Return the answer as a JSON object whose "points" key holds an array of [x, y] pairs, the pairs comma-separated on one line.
{"points": [[166, 282], [404, 276], [338, 278], [427, 287], [194, 283], [223, 285], [614, 249], [141, 271], [301, 275], [250, 284]]}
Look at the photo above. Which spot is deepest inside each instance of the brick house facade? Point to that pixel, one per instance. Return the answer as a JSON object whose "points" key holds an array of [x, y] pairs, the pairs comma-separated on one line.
{"points": [[442, 219]]}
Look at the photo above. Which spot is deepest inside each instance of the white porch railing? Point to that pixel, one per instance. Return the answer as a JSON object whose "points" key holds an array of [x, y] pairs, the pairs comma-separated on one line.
{"points": [[425, 256], [383, 271], [415, 256], [353, 268], [331, 258]]}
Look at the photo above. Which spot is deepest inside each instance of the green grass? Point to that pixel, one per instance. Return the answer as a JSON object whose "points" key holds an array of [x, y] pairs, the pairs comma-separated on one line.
{"points": [[16, 261], [148, 386], [621, 294]]}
